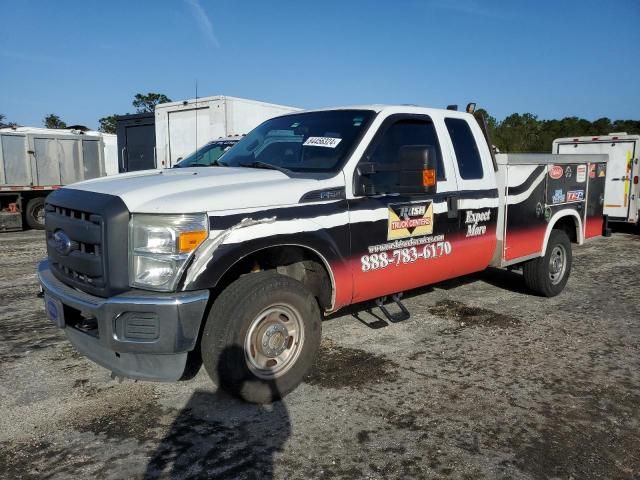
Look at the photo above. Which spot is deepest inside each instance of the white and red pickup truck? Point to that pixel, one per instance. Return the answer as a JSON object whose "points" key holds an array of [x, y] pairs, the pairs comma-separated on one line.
{"points": [[152, 272]]}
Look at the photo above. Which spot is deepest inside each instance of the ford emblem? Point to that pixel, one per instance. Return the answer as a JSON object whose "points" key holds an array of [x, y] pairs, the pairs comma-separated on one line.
{"points": [[63, 244]]}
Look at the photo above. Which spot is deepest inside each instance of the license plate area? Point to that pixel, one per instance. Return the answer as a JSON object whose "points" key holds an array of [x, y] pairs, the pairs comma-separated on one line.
{"points": [[55, 310]]}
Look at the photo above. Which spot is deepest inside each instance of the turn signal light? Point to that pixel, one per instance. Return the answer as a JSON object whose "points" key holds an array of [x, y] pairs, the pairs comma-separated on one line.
{"points": [[428, 178], [189, 241]]}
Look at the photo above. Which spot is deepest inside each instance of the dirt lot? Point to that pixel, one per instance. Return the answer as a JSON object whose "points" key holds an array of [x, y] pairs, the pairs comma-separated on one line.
{"points": [[484, 381]]}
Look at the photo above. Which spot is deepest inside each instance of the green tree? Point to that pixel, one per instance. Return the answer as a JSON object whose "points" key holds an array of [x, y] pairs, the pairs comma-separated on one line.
{"points": [[108, 124], [53, 121], [4, 124], [148, 102]]}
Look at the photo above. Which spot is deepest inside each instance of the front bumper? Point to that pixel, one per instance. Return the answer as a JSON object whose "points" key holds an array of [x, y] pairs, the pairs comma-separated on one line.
{"points": [[137, 334]]}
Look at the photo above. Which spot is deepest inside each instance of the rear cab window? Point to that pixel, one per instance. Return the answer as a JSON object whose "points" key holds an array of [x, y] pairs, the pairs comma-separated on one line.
{"points": [[465, 148]]}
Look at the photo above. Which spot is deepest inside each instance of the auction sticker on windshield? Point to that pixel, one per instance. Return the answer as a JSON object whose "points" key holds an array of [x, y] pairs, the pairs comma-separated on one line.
{"points": [[327, 142]]}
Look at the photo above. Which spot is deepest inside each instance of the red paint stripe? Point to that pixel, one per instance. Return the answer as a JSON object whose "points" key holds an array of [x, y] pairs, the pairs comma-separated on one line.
{"points": [[523, 242], [593, 227], [468, 255]]}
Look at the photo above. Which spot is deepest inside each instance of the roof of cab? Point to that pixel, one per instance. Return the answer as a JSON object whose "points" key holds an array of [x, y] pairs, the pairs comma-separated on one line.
{"points": [[379, 108]]}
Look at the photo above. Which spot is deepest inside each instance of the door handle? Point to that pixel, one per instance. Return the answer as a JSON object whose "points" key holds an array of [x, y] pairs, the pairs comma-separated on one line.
{"points": [[452, 206]]}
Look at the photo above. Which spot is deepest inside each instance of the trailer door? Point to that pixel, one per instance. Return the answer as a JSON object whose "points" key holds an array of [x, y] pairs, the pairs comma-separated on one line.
{"points": [[140, 145], [188, 131], [618, 181], [15, 162]]}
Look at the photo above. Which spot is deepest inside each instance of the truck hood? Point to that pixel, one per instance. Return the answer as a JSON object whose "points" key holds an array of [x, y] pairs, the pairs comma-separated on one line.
{"points": [[190, 190]]}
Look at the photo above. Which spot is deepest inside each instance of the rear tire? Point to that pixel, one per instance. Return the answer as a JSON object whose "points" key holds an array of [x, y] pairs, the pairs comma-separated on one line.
{"points": [[34, 213], [261, 337], [549, 274]]}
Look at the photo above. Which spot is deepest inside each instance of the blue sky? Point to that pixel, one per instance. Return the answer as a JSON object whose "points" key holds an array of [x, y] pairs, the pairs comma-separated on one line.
{"points": [[554, 58]]}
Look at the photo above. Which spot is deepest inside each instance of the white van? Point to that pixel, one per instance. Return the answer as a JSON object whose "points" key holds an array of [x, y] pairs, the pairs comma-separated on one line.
{"points": [[622, 190]]}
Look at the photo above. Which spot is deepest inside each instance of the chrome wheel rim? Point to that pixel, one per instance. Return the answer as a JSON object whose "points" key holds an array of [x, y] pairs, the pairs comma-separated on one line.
{"points": [[557, 264], [38, 214], [274, 341]]}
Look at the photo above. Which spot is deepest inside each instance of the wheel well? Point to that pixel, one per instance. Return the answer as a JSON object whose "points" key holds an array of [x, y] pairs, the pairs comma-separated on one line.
{"points": [[568, 225], [301, 263]]}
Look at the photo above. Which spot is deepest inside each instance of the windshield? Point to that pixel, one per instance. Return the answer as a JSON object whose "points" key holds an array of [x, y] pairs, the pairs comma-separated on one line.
{"points": [[206, 156], [303, 142]]}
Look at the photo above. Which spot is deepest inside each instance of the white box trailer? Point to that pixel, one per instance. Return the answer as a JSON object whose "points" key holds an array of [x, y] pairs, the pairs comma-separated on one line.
{"points": [[183, 127], [622, 188], [36, 161]]}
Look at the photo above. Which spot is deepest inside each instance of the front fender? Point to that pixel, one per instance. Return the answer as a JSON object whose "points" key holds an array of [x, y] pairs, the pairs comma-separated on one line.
{"points": [[225, 248]]}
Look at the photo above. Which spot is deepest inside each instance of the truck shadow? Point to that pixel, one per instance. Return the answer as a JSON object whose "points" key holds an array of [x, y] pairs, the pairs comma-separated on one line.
{"points": [[218, 436]]}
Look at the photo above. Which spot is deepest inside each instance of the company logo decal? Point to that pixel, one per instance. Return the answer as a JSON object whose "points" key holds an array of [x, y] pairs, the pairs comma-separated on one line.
{"points": [[472, 221], [581, 174], [568, 172], [558, 196], [556, 172], [575, 196], [410, 220]]}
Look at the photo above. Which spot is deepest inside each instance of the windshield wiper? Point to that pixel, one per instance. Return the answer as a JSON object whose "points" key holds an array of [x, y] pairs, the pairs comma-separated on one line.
{"points": [[265, 165]]}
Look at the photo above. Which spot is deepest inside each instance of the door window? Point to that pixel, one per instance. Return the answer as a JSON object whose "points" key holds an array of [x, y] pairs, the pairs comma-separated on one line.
{"points": [[387, 149], [466, 149]]}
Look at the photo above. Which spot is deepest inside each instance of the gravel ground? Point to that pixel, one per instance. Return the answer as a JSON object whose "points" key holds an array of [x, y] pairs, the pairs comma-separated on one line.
{"points": [[484, 381]]}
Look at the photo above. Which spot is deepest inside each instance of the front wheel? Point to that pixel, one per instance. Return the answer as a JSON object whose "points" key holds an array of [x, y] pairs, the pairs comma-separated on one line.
{"points": [[261, 336], [549, 274]]}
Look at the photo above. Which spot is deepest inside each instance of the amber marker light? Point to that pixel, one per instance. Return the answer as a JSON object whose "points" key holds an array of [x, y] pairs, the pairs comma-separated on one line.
{"points": [[428, 178], [189, 241]]}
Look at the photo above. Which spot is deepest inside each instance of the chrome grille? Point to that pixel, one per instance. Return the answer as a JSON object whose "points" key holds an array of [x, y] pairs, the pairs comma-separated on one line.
{"points": [[83, 264]]}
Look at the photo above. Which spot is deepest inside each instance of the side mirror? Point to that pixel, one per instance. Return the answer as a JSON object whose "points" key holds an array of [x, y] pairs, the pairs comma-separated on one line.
{"points": [[418, 169]]}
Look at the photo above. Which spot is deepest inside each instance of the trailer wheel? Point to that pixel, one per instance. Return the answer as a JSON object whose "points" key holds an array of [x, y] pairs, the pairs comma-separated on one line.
{"points": [[34, 213], [261, 336], [549, 274]]}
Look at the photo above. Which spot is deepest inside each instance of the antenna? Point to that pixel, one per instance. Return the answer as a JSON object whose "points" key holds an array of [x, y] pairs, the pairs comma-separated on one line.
{"points": [[196, 149]]}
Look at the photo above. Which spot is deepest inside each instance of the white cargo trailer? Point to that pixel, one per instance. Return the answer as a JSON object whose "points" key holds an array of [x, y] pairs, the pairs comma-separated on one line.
{"points": [[36, 161], [622, 188], [183, 127]]}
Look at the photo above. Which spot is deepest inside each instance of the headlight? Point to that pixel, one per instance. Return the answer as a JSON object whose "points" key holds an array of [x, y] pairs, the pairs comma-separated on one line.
{"points": [[160, 246]]}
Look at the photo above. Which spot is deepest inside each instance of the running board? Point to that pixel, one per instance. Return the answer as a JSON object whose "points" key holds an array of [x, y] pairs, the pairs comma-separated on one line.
{"points": [[400, 316]]}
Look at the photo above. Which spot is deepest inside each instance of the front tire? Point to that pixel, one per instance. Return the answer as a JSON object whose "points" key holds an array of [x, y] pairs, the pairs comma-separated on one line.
{"points": [[549, 274], [34, 213], [261, 337]]}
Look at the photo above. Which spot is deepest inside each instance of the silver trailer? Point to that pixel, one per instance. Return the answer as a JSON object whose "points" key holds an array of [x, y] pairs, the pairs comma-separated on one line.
{"points": [[36, 161]]}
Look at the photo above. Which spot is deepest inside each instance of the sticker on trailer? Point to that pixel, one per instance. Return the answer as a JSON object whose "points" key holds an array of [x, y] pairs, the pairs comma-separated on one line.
{"points": [[410, 220], [568, 172], [556, 172], [592, 170], [327, 142], [581, 174], [575, 196]]}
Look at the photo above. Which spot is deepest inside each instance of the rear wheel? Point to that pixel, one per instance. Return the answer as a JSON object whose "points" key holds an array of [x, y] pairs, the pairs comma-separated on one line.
{"points": [[261, 337], [549, 274], [34, 213]]}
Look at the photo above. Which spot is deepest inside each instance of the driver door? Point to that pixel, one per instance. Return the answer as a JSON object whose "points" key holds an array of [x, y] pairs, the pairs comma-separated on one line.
{"points": [[402, 241]]}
